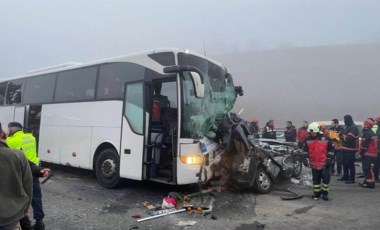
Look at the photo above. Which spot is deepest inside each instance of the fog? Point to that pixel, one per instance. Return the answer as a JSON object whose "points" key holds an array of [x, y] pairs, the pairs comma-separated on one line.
{"points": [[314, 83], [297, 60]]}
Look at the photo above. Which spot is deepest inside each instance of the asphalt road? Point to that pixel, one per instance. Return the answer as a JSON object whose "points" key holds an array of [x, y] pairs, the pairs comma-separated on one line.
{"points": [[73, 200]]}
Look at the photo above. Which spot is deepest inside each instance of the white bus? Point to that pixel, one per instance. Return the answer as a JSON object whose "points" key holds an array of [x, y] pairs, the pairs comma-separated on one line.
{"points": [[139, 116]]}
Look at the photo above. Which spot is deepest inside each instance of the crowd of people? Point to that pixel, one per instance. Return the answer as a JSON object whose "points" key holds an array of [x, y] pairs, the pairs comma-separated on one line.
{"points": [[333, 151], [19, 180]]}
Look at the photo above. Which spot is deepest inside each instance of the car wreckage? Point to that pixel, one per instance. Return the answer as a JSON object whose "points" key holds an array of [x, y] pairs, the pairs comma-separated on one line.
{"points": [[242, 161]]}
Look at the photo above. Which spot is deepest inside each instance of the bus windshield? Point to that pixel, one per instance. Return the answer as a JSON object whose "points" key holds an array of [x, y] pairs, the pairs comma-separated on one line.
{"points": [[200, 115]]}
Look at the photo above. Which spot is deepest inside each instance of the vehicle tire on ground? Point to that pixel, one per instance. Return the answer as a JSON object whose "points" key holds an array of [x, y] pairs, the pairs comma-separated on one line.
{"points": [[263, 182], [107, 168]]}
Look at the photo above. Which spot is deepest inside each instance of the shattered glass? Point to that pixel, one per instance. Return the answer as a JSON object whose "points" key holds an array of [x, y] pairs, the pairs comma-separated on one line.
{"points": [[200, 115]]}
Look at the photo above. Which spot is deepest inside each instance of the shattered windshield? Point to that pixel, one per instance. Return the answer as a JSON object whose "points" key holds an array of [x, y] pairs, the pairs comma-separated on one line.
{"points": [[199, 115]]}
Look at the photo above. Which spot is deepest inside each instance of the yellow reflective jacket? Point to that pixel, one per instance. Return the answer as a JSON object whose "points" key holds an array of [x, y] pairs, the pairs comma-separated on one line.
{"points": [[26, 143], [334, 135]]}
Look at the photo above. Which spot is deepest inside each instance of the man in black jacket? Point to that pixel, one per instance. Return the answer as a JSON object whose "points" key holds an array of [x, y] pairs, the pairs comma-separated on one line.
{"points": [[269, 131], [349, 148], [290, 132]]}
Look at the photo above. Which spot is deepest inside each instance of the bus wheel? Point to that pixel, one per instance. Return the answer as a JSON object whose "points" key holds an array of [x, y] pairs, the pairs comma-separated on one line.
{"points": [[107, 168]]}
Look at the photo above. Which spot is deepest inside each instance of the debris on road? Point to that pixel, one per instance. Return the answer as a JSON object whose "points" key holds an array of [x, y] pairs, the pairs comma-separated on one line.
{"points": [[163, 214], [187, 223]]}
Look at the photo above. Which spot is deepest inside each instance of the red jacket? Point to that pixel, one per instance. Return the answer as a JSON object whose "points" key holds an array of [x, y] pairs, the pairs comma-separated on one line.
{"points": [[368, 145], [302, 134], [318, 149]]}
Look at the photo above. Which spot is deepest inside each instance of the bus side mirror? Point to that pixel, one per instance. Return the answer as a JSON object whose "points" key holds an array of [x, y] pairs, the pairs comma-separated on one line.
{"points": [[199, 86], [196, 77]]}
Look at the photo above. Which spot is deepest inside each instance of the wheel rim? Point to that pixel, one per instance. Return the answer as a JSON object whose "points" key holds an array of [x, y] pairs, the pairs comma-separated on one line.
{"points": [[108, 168], [297, 167], [264, 181]]}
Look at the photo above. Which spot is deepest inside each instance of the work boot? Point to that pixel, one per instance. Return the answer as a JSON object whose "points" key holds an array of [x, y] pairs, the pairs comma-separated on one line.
{"points": [[316, 195], [367, 184], [39, 225], [25, 223], [325, 197], [350, 182], [343, 178]]}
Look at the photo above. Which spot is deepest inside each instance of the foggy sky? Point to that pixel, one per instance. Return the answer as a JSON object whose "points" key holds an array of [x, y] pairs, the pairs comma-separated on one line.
{"points": [[259, 40], [37, 34]]}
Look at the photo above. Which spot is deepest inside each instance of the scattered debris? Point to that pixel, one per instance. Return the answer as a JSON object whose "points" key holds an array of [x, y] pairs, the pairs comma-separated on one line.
{"points": [[136, 216], [187, 223], [161, 215], [169, 202]]}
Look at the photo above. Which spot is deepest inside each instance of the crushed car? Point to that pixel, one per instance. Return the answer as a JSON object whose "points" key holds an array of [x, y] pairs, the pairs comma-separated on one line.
{"points": [[242, 161]]}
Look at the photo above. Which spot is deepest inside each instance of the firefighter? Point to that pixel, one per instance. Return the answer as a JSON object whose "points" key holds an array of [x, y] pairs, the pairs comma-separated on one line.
{"points": [[368, 153], [27, 143], [318, 147]]}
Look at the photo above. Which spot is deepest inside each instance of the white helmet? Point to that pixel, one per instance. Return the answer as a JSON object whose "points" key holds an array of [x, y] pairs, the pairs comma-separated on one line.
{"points": [[313, 128]]}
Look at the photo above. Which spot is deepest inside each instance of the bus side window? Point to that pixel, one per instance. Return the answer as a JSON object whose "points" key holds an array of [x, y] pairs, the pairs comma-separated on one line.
{"points": [[14, 92]]}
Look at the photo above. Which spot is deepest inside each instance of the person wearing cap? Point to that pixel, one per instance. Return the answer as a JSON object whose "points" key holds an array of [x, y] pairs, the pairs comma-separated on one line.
{"points": [[368, 153], [319, 149], [26, 142], [254, 127]]}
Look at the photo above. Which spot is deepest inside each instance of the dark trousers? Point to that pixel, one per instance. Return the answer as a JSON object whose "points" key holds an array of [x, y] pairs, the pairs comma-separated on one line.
{"points": [[11, 226], [321, 180], [38, 212], [339, 161], [366, 166], [349, 164], [377, 166]]}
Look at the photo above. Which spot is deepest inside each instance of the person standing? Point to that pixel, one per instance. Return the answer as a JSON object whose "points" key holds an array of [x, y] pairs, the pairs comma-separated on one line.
{"points": [[377, 164], [27, 143], [16, 186], [323, 128], [290, 132], [349, 148], [302, 134], [254, 127], [269, 131], [318, 147], [335, 134], [368, 153]]}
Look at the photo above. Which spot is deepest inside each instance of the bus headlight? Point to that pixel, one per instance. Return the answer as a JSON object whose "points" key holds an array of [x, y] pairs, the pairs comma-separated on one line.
{"points": [[192, 159]]}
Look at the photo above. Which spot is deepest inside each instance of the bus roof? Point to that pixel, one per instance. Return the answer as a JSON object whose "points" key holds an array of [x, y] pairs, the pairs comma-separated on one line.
{"points": [[122, 58]]}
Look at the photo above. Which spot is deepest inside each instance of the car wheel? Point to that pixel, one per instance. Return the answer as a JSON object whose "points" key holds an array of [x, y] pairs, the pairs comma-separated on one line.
{"points": [[297, 164], [263, 182]]}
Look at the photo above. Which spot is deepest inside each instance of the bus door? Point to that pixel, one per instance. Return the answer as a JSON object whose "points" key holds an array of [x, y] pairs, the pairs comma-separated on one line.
{"points": [[132, 131], [19, 114], [161, 147]]}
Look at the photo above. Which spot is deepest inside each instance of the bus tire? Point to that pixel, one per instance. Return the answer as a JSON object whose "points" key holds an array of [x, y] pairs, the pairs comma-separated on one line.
{"points": [[263, 182], [107, 168]]}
